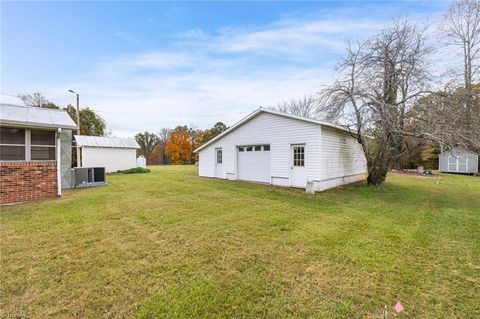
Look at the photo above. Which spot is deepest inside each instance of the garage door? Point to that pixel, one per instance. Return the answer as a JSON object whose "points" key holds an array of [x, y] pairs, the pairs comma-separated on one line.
{"points": [[254, 163]]}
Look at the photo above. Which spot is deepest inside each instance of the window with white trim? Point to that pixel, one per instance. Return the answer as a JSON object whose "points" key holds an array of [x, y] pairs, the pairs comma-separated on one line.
{"points": [[17, 144], [254, 148], [12, 144], [42, 145], [219, 156], [299, 156]]}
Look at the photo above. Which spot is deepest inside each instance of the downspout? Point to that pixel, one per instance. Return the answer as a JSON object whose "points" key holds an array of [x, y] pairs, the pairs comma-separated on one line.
{"points": [[59, 163]]}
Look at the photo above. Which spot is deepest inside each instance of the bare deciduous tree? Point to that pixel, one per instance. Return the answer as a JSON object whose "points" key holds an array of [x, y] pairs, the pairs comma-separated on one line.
{"points": [[461, 29], [37, 100], [147, 142], [379, 81], [306, 107], [163, 134], [443, 118]]}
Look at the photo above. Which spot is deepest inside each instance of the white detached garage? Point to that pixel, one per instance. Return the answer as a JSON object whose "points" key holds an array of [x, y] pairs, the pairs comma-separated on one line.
{"points": [[113, 153], [282, 149]]}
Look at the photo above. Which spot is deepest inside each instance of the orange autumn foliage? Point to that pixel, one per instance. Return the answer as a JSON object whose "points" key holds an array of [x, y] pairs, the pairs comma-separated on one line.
{"points": [[179, 147]]}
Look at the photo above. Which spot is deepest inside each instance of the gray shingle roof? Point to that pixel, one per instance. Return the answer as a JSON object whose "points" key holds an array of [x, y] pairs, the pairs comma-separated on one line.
{"points": [[34, 117], [102, 141]]}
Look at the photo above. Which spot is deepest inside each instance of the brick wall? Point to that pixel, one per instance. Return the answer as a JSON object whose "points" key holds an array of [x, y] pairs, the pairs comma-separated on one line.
{"points": [[23, 181]]}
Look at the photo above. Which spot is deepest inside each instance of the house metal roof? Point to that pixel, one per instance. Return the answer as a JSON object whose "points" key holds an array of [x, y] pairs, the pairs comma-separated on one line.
{"points": [[27, 116], [263, 110], [108, 142]]}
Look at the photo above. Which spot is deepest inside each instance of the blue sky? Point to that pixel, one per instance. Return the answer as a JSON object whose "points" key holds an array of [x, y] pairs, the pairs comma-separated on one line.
{"points": [[148, 65]]}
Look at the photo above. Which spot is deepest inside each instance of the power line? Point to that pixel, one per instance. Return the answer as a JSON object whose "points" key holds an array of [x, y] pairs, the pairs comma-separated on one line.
{"points": [[171, 116], [3, 93], [61, 98], [142, 114], [48, 99]]}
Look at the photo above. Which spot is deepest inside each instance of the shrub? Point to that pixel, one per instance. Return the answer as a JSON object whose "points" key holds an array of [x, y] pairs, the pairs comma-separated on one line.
{"points": [[135, 170]]}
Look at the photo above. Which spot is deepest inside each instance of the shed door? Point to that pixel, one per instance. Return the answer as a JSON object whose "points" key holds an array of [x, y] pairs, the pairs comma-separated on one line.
{"points": [[254, 163], [463, 164], [458, 164], [298, 174], [452, 163]]}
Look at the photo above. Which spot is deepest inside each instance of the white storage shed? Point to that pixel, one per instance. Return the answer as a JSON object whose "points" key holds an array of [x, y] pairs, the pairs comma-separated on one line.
{"points": [[113, 153], [282, 149], [458, 160]]}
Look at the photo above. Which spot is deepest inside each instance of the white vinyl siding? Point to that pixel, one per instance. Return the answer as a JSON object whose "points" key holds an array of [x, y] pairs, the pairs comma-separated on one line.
{"points": [[341, 155], [331, 156], [113, 159], [266, 129]]}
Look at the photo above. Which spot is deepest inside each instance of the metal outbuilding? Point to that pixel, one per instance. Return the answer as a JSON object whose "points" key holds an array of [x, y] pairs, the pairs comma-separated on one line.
{"points": [[458, 160], [113, 153]]}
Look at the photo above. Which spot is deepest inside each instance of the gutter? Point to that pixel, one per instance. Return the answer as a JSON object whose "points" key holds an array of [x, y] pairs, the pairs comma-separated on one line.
{"points": [[36, 125], [59, 162]]}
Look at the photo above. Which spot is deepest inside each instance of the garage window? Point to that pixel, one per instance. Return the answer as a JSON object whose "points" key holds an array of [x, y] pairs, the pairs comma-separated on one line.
{"points": [[249, 149], [258, 148], [266, 147], [241, 149]]}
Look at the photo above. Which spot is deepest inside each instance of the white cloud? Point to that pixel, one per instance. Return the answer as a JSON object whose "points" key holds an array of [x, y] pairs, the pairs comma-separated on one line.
{"points": [[154, 60], [292, 37], [297, 36], [200, 98], [205, 77]]}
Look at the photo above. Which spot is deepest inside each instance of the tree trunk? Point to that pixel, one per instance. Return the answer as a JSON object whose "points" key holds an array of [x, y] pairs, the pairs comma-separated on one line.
{"points": [[378, 169], [379, 163], [398, 151], [376, 177]]}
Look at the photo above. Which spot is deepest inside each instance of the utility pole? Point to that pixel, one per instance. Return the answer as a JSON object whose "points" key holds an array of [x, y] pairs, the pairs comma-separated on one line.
{"points": [[78, 124]]}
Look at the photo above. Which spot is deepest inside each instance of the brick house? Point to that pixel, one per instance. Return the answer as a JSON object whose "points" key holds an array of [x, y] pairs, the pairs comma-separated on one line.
{"points": [[35, 153]]}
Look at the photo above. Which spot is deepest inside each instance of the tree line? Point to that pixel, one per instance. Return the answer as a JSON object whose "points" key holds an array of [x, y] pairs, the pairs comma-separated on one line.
{"points": [[175, 146], [168, 146], [388, 91]]}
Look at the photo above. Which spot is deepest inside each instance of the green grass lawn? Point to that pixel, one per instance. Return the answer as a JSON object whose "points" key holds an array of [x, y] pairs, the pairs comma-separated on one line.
{"points": [[170, 244]]}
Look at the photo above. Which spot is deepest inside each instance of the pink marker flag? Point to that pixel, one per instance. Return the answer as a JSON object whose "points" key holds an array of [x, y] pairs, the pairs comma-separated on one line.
{"points": [[398, 307]]}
